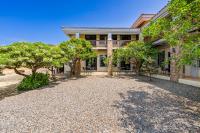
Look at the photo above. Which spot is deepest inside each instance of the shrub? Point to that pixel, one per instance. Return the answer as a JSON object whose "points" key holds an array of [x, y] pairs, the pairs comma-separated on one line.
{"points": [[33, 81]]}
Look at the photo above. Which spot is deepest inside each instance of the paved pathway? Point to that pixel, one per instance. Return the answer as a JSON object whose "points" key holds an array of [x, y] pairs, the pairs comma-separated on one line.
{"points": [[101, 104]]}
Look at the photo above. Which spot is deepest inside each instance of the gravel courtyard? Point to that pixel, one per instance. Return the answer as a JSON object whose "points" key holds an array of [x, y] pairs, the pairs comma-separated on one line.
{"points": [[102, 104]]}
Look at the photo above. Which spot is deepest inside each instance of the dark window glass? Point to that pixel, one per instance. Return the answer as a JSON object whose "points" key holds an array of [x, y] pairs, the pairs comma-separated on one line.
{"points": [[161, 58], [125, 37], [90, 37], [102, 60], [91, 64], [137, 37], [114, 37], [103, 37], [125, 65]]}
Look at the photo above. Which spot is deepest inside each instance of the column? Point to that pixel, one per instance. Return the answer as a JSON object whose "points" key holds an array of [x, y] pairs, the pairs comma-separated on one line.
{"points": [[109, 54], [77, 35]]}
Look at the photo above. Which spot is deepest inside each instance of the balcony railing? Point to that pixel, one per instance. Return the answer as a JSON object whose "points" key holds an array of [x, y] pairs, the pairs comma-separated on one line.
{"points": [[98, 43], [116, 43], [120, 43]]}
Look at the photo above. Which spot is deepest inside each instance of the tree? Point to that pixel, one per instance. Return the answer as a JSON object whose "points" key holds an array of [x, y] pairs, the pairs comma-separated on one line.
{"points": [[181, 30], [76, 50], [30, 55], [135, 53], [149, 67]]}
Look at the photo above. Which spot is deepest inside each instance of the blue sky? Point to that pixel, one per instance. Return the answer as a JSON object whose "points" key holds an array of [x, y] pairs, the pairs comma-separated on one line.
{"points": [[41, 20]]}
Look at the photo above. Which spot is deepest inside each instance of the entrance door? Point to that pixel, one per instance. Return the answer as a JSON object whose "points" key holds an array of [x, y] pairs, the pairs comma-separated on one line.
{"points": [[91, 64]]}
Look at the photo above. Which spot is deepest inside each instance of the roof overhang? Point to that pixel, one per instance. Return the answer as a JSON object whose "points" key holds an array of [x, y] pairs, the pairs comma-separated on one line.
{"points": [[88, 30], [144, 18], [159, 42], [161, 14]]}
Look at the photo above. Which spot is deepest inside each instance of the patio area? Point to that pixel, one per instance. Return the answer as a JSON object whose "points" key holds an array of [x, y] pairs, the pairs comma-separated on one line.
{"points": [[103, 104]]}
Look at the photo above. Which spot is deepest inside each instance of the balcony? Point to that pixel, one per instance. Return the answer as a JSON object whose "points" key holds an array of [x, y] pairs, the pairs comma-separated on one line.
{"points": [[120, 43], [98, 43], [103, 44]]}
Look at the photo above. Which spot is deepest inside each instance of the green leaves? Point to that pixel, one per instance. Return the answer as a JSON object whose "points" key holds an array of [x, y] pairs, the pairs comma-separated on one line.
{"points": [[179, 29], [135, 52], [31, 55], [77, 49]]}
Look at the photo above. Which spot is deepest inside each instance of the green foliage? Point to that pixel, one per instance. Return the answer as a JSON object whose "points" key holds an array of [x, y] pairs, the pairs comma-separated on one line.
{"points": [[33, 81], [76, 50], [135, 53], [180, 29], [149, 67], [31, 55]]}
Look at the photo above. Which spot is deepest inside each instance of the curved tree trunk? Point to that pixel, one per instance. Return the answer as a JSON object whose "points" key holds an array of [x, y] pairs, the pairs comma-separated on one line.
{"points": [[19, 73]]}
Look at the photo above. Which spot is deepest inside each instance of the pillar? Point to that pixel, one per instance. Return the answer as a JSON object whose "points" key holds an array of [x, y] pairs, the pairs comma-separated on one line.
{"points": [[109, 54], [77, 35]]}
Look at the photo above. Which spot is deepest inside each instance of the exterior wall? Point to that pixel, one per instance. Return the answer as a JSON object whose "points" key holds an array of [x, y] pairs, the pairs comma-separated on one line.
{"points": [[189, 71], [192, 71]]}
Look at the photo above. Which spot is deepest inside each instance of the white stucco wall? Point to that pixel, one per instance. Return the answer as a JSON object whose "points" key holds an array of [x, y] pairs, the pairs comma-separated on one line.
{"points": [[191, 71]]}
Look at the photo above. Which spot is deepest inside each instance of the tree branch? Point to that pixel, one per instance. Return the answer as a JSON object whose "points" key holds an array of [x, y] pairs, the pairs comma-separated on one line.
{"points": [[19, 73]]}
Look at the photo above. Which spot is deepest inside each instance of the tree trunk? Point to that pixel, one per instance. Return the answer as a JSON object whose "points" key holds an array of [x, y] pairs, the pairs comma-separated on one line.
{"points": [[175, 69], [138, 66], [72, 66], [175, 73], [34, 70], [19, 73], [78, 68]]}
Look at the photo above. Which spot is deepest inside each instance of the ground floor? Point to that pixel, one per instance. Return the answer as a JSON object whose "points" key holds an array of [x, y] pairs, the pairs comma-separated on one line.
{"points": [[102, 104], [98, 64], [189, 71]]}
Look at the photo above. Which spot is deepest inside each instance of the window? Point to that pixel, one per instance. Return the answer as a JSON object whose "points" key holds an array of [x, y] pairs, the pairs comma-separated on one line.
{"points": [[90, 37], [125, 37], [103, 37], [198, 63], [102, 60], [137, 37], [114, 37]]}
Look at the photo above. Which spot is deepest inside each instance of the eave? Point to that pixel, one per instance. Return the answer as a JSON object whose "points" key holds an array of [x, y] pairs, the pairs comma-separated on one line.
{"points": [[94, 30]]}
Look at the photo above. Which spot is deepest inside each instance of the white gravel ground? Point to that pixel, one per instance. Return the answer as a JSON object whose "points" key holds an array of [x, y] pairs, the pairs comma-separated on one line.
{"points": [[101, 104]]}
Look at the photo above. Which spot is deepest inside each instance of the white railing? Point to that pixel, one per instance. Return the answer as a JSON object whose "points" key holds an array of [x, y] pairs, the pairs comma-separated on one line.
{"points": [[103, 43]]}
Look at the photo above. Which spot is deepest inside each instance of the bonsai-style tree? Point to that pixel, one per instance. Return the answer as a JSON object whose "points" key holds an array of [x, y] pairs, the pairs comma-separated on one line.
{"points": [[181, 31], [135, 53], [76, 50], [30, 55]]}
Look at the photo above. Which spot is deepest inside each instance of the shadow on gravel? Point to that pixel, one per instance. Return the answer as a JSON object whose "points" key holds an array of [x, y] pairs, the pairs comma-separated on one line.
{"points": [[8, 91], [187, 91], [157, 112]]}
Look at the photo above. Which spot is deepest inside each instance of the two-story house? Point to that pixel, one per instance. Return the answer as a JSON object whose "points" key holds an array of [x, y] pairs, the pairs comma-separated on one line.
{"points": [[104, 41]]}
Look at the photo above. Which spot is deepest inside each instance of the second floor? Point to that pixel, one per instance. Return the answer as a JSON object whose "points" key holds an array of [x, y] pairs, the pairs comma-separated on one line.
{"points": [[100, 38]]}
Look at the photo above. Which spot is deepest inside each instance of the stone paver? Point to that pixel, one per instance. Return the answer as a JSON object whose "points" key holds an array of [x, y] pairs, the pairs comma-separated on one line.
{"points": [[101, 104]]}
